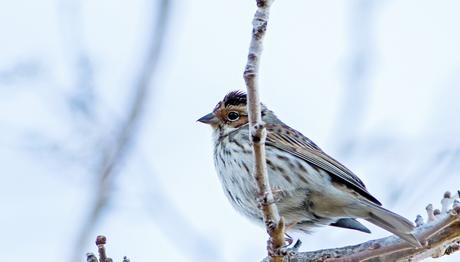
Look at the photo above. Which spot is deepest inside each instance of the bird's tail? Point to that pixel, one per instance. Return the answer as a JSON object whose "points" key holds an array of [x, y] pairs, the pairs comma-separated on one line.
{"points": [[392, 222]]}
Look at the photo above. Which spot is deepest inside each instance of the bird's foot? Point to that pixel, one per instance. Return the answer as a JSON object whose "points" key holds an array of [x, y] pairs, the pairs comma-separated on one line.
{"points": [[285, 250], [292, 250], [289, 240], [271, 226], [289, 248], [277, 195]]}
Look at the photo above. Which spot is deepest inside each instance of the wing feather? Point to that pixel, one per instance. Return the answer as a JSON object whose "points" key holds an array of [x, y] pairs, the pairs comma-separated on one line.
{"points": [[293, 142]]}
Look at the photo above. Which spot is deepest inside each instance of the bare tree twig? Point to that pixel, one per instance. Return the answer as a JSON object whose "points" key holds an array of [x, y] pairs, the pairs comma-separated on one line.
{"points": [[90, 257], [275, 224], [440, 237], [113, 156], [82, 100], [100, 243]]}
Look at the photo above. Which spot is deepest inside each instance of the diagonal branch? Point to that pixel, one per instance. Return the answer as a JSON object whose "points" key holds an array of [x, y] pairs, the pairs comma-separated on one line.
{"points": [[441, 236], [113, 156], [275, 224]]}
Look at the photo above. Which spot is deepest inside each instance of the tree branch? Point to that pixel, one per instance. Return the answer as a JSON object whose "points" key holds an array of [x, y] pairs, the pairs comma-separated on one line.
{"points": [[115, 153], [440, 236], [357, 87], [274, 224], [100, 243]]}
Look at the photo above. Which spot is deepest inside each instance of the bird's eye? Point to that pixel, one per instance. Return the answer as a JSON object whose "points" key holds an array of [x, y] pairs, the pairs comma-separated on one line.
{"points": [[233, 116]]}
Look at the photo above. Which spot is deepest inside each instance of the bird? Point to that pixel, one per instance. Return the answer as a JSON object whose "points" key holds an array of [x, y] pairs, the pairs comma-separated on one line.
{"points": [[312, 189]]}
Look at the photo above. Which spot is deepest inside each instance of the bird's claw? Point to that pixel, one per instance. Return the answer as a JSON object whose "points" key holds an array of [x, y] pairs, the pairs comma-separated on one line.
{"points": [[283, 251], [288, 240], [271, 225], [278, 194], [265, 200]]}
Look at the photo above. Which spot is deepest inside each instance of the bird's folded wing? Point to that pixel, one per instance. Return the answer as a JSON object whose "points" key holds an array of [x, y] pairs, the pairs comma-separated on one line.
{"points": [[293, 142]]}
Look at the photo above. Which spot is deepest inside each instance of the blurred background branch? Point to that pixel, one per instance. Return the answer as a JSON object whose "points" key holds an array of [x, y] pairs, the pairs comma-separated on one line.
{"points": [[116, 152], [83, 99], [21, 71], [357, 84]]}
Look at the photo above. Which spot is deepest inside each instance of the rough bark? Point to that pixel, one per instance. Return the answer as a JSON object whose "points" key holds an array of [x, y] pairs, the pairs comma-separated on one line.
{"points": [[440, 236], [275, 224]]}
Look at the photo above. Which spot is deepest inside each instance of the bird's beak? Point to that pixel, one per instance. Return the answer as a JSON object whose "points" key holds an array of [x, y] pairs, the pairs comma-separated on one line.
{"points": [[209, 119]]}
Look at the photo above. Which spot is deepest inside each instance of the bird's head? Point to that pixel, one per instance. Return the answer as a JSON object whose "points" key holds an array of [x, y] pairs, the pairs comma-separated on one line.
{"points": [[231, 114]]}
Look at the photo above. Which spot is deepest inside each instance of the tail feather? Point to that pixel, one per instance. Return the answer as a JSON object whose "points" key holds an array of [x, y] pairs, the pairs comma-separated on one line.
{"points": [[350, 223], [392, 222]]}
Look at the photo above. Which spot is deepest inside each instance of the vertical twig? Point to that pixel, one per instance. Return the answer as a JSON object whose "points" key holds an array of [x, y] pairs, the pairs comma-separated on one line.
{"points": [[275, 224], [100, 243]]}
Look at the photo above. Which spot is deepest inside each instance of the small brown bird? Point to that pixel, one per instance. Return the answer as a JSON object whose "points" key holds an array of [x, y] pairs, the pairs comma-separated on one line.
{"points": [[312, 188]]}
